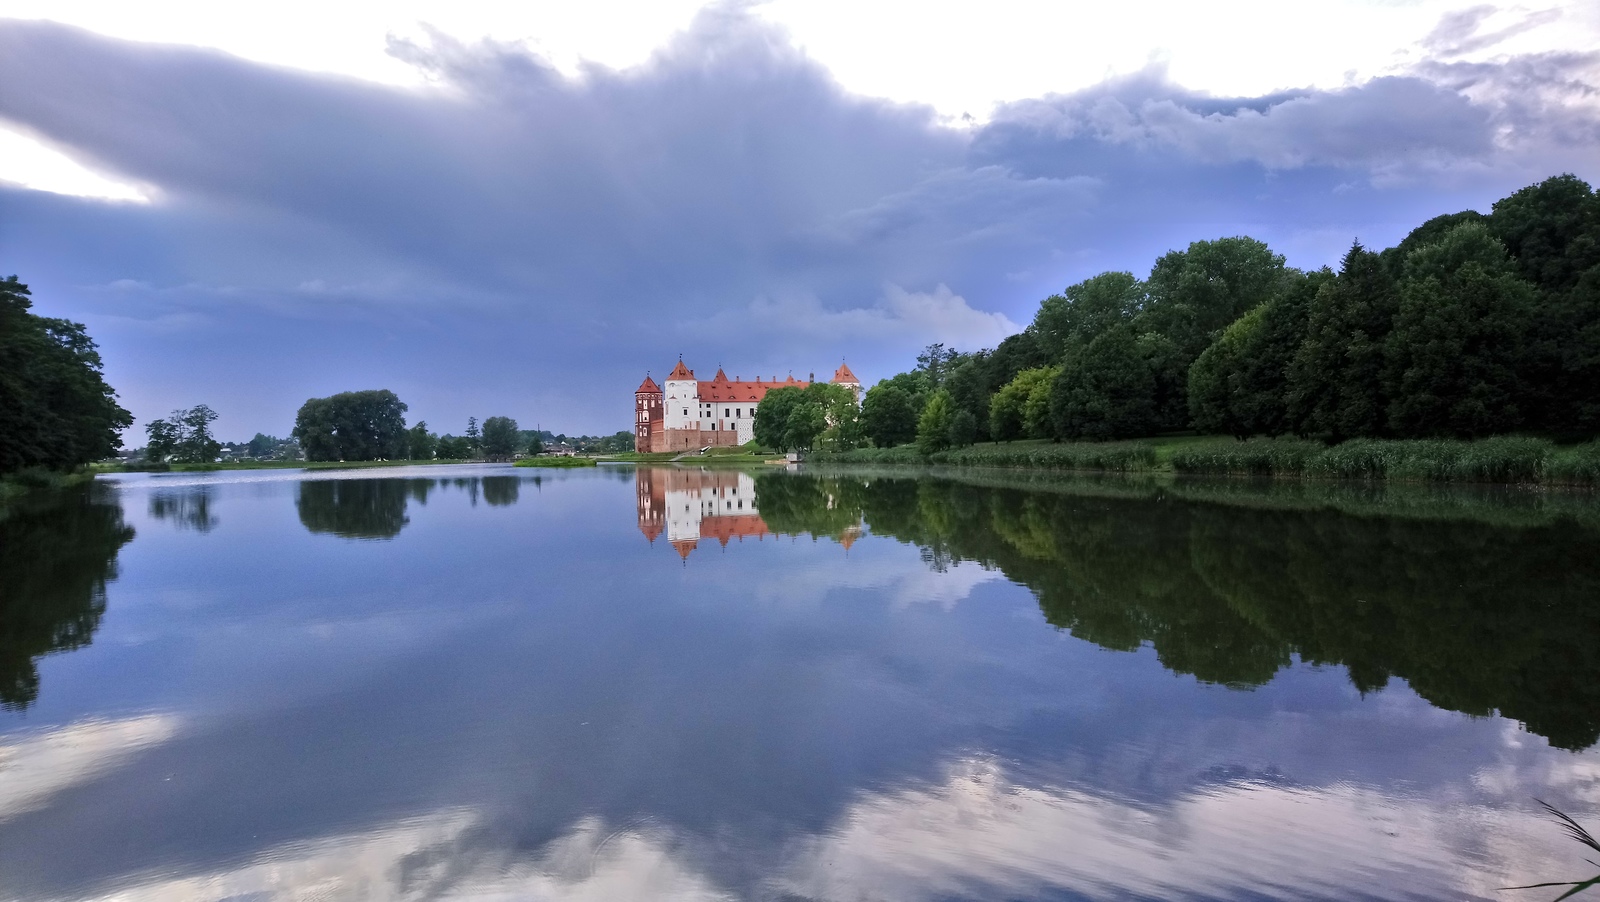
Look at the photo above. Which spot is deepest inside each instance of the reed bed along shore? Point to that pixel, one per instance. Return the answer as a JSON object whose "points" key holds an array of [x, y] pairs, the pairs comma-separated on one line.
{"points": [[1506, 460]]}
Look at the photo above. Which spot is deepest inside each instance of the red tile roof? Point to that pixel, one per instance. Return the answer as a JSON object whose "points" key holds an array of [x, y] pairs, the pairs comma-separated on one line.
{"points": [[648, 385], [843, 374], [728, 391], [681, 372]]}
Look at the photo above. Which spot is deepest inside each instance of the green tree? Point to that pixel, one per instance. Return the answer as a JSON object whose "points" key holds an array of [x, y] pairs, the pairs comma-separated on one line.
{"points": [[1084, 311], [771, 425], [1196, 293], [362, 425], [536, 444], [935, 363], [262, 445], [499, 438], [185, 437], [1192, 295], [963, 429], [1243, 378], [1336, 380], [161, 440], [1036, 421], [453, 447], [1021, 408], [56, 410], [841, 418], [1552, 230], [806, 422], [196, 444], [474, 436], [420, 443], [1107, 389], [889, 415], [1456, 349], [933, 426]]}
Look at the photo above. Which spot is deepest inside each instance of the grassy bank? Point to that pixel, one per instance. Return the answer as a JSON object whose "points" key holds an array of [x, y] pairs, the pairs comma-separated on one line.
{"points": [[23, 483], [742, 455], [1514, 460], [269, 465], [557, 463]]}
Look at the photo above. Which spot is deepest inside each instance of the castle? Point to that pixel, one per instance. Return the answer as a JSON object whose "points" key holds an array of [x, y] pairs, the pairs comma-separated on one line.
{"points": [[690, 414]]}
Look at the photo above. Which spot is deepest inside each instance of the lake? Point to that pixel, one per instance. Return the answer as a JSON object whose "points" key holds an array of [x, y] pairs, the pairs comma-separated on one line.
{"points": [[481, 682]]}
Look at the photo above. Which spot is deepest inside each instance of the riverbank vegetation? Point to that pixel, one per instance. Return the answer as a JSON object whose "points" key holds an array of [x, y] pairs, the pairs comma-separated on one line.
{"points": [[1501, 459], [557, 462], [1474, 326]]}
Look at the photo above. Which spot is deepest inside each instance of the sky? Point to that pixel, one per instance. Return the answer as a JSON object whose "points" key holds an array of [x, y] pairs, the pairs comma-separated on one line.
{"points": [[521, 209]]}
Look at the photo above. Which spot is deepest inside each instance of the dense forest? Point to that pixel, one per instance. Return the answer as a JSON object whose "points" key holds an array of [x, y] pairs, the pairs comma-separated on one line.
{"points": [[1474, 325]]}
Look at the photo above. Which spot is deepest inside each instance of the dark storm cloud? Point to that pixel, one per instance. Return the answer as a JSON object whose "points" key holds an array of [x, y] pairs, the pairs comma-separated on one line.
{"points": [[515, 241]]}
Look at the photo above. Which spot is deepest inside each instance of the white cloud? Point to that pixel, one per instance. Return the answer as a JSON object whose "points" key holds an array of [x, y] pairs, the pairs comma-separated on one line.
{"points": [[30, 163], [898, 315], [34, 767], [432, 857], [980, 835]]}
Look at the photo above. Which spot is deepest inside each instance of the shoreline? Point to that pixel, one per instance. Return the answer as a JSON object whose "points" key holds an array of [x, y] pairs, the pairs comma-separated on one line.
{"points": [[1505, 460]]}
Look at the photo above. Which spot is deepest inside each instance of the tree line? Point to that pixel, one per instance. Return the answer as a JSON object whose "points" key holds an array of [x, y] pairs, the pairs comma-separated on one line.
{"points": [[1473, 325], [371, 425]]}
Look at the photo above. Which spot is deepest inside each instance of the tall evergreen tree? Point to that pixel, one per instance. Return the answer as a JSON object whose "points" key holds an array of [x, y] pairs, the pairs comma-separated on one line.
{"points": [[1336, 385]]}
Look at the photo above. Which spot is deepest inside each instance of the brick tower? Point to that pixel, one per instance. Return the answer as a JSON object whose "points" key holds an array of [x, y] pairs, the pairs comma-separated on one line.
{"points": [[647, 420]]}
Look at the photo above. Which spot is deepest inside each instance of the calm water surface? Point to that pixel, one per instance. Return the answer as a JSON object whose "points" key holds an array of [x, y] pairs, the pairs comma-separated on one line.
{"points": [[487, 683]]}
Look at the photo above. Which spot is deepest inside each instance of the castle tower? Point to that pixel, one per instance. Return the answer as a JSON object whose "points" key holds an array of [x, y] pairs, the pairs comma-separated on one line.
{"points": [[646, 414], [681, 410], [843, 376]]}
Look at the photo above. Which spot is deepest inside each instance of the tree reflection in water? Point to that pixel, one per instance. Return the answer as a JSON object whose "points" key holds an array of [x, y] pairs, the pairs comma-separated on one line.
{"points": [[356, 508], [500, 491], [56, 555], [376, 508], [187, 508], [1481, 615]]}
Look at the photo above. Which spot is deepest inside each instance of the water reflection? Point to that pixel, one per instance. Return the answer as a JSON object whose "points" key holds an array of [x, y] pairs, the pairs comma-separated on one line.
{"points": [[524, 700], [376, 508], [188, 507], [1478, 616], [359, 508], [501, 491], [722, 505], [56, 555]]}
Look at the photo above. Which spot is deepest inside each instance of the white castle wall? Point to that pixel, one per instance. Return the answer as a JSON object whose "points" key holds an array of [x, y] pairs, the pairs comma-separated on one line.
{"points": [[719, 497], [681, 404]]}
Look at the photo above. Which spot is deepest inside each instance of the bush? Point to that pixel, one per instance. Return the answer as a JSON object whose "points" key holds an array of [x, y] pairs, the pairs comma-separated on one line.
{"points": [[556, 462], [1119, 457], [1575, 466], [1258, 457], [1507, 459]]}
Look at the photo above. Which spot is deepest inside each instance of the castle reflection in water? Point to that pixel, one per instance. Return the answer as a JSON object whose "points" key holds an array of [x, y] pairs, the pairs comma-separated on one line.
{"points": [[691, 505]]}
